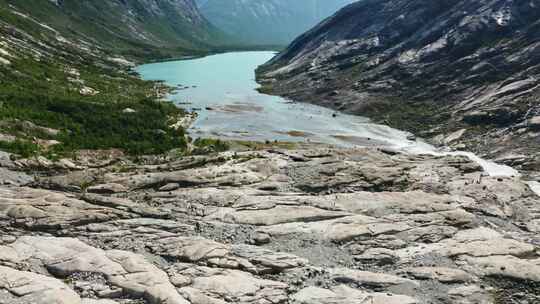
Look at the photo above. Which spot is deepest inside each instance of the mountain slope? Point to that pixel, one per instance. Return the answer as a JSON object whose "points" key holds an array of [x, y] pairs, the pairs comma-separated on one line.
{"points": [[65, 86], [429, 66], [270, 22], [126, 25]]}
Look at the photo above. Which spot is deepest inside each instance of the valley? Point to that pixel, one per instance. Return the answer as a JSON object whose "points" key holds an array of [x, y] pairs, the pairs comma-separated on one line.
{"points": [[222, 91], [150, 154], [270, 23]]}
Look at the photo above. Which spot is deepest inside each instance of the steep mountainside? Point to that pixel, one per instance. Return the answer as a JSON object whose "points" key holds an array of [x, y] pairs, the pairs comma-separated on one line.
{"points": [[431, 66], [65, 82], [125, 25], [268, 22]]}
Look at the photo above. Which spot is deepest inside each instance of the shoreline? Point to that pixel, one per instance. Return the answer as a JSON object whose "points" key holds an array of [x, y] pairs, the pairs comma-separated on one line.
{"points": [[490, 166]]}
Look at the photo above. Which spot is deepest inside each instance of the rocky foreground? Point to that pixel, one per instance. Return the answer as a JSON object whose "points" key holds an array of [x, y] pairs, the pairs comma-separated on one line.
{"points": [[304, 227]]}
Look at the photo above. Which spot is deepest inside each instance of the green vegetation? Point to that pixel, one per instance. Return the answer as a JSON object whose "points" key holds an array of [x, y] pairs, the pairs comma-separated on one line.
{"points": [[145, 35], [415, 117], [241, 145], [61, 84], [209, 145], [125, 114], [21, 147], [122, 115]]}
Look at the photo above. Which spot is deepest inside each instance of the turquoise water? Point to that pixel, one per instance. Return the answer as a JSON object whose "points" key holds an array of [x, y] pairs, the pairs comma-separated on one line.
{"points": [[225, 84], [221, 88]]}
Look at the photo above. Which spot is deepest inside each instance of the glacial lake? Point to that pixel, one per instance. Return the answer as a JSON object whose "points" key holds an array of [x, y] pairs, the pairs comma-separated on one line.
{"points": [[222, 90]]}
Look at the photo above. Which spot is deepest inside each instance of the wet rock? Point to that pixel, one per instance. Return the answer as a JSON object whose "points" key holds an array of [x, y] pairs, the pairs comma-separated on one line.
{"points": [[512, 159]]}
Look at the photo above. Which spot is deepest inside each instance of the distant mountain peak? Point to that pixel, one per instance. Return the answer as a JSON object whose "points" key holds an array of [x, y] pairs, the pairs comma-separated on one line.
{"points": [[268, 21]]}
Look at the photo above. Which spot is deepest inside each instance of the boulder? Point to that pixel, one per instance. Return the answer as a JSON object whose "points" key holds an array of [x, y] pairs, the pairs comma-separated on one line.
{"points": [[65, 256], [31, 288]]}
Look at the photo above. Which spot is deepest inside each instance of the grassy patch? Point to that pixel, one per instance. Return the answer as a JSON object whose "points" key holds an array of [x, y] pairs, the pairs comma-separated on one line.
{"points": [[45, 94], [21, 147], [209, 145], [257, 145], [414, 117]]}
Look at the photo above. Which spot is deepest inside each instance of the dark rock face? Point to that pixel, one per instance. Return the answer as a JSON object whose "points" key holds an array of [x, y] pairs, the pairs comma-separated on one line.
{"points": [[268, 21], [456, 56]]}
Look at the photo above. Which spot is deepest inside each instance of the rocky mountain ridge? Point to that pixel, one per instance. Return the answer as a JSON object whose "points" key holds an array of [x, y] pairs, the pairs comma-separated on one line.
{"points": [[460, 72]]}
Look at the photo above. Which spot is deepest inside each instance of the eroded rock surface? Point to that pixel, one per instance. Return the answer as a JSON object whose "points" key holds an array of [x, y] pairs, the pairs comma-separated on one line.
{"points": [[268, 227]]}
